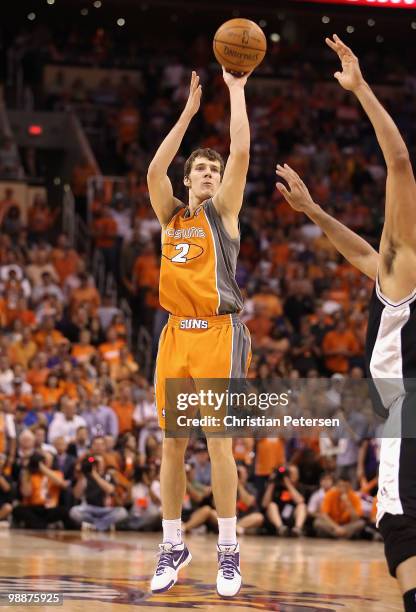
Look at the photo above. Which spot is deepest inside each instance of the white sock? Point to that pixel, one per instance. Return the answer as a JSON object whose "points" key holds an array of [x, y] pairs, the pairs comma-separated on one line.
{"points": [[172, 531], [227, 530]]}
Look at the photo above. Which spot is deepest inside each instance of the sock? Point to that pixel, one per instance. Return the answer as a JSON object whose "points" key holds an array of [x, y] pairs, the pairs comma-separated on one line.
{"points": [[227, 530], [172, 531], [409, 599]]}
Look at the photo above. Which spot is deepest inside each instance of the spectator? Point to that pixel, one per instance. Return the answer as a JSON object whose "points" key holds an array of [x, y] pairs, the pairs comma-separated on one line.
{"points": [[283, 503], [40, 487], [339, 346], [145, 513], [99, 417], [197, 510], [340, 515], [248, 515], [6, 492], [66, 422], [96, 486]]}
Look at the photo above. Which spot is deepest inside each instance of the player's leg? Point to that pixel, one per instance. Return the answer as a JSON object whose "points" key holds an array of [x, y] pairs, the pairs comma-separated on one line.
{"points": [[406, 573], [173, 552], [226, 350]]}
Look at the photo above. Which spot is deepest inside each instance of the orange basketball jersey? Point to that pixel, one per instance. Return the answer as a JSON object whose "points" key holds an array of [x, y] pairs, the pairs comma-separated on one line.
{"points": [[197, 273]]}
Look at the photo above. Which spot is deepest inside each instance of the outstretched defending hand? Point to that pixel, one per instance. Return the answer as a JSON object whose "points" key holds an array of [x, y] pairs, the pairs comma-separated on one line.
{"points": [[298, 197], [194, 98], [350, 78], [233, 81]]}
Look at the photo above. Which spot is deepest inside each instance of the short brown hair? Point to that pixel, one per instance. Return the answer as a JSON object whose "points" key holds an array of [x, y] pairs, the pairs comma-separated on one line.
{"points": [[209, 154]]}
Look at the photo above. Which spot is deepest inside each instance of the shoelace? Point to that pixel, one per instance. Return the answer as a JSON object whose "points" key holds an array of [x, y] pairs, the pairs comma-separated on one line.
{"points": [[165, 558], [227, 564]]}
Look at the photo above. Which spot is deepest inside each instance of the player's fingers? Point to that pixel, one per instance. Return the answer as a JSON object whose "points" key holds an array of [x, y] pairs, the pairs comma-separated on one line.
{"points": [[280, 187], [331, 44], [292, 173], [341, 44], [337, 75], [281, 170]]}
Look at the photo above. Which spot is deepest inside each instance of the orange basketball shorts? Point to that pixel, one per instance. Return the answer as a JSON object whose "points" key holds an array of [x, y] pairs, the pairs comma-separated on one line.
{"points": [[200, 348]]}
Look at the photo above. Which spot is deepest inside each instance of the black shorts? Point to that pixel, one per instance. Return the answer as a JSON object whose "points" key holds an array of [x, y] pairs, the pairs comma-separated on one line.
{"points": [[399, 533]]}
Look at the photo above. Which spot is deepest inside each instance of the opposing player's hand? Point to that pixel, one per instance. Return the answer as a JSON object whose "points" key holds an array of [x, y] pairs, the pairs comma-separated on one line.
{"points": [[297, 195], [350, 77], [194, 98], [233, 81]]}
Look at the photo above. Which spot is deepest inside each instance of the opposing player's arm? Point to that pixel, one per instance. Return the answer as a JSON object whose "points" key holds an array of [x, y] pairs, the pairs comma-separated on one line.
{"points": [[160, 188], [400, 217], [354, 248], [229, 198]]}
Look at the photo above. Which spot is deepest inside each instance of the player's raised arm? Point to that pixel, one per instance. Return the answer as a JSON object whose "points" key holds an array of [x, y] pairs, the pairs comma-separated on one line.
{"points": [[354, 248], [158, 182], [401, 187], [229, 198]]}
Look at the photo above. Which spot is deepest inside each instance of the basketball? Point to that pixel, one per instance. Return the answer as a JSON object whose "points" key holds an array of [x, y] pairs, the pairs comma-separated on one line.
{"points": [[239, 45]]}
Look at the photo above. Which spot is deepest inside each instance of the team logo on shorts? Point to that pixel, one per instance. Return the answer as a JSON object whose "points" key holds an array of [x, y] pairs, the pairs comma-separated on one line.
{"points": [[182, 252], [193, 324]]}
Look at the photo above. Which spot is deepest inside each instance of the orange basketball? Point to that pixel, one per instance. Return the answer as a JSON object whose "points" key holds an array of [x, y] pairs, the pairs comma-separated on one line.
{"points": [[239, 45]]}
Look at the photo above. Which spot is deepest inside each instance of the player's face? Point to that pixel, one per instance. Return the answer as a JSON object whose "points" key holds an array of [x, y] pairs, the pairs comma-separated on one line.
{"points": [[204, 178]]}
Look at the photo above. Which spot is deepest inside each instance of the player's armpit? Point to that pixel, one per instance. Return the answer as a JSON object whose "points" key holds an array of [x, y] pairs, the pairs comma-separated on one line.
{"points": [[161, 195], [367, 264], [400, 217]]}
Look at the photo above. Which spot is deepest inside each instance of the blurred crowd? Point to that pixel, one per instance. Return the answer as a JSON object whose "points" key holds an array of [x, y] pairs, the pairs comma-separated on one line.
{"points": [[79, 441]]}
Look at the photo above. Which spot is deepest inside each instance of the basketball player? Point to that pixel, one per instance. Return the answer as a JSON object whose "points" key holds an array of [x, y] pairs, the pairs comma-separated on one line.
{"points": [[204, 337], [391, 343]]}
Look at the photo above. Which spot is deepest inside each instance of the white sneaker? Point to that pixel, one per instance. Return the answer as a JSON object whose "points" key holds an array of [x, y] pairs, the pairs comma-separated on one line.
{"points": [[229, 576], [171, 560]]}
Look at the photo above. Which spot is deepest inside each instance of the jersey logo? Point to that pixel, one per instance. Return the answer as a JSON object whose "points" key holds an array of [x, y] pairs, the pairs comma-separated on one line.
{"points": [[182, 252], [188, 232], [193, 324]]}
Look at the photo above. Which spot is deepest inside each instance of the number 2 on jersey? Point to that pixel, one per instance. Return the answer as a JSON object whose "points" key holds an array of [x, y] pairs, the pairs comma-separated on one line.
{"points": [[183, 247]]}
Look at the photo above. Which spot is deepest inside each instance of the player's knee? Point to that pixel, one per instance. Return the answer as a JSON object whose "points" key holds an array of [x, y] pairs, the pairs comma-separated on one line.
{"points": [[220, 448], [400, 160], [174, 447]]}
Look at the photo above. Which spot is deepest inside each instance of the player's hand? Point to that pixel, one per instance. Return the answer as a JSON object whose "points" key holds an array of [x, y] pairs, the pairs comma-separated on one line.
{"points": [[194, 98], [298, 195], [235, 82], [350, 78]]}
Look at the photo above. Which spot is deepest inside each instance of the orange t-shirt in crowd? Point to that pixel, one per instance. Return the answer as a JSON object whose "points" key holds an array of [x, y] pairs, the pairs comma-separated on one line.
{"points": [[37, 378], [40, 218], [44, 491], [279, 253], [105, 232], [260, 327], [124, 412], [20, 400], [27, 317], [335, 508], [83, 353], [51, 396], [271, 305], [146, 271], [87, 295], [343, 341], [65, 263], [270, 454], [54, 334], [110, 351], [128, 124]]}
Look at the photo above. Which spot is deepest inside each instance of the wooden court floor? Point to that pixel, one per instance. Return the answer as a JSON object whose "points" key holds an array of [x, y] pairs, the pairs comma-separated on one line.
{"points": [[111, 572]]}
